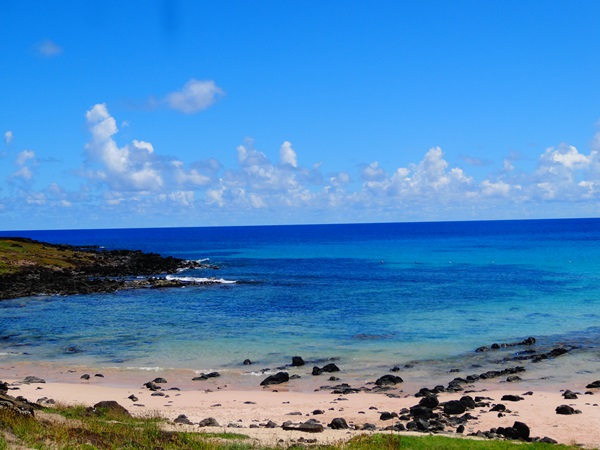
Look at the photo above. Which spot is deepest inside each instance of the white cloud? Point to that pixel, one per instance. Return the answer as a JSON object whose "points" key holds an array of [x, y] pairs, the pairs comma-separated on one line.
{"points": [[127, 168], [195, 96], [287, 155], [564, 155], [498, 188], [48, 49], [25, 156], [136, 180], [8, 137], [373, 172]]}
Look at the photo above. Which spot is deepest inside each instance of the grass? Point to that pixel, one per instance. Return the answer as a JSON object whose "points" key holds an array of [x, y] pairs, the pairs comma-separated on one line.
{"points": [[396, 441], [15, 255], [75, 428]]}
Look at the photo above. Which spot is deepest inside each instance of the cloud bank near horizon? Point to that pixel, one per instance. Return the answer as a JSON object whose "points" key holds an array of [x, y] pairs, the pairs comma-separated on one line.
{"points": [[138, 182]]}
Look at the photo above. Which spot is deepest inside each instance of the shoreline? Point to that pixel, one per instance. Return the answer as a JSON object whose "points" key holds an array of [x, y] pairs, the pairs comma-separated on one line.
{"points": [[247, 409]]}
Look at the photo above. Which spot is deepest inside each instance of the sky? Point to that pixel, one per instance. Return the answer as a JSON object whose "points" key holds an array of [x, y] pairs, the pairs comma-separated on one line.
{"points": [[167, 113]]}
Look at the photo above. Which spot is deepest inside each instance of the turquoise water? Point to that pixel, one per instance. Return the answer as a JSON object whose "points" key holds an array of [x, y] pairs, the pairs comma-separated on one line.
{"points": [[369, 294]]}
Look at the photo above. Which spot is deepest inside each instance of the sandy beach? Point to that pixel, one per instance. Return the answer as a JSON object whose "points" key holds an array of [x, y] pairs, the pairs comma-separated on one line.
{"points": [[248, 410]]}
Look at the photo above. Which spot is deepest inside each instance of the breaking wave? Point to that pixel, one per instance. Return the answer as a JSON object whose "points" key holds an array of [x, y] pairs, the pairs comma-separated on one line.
{"points": [[200, 280]]}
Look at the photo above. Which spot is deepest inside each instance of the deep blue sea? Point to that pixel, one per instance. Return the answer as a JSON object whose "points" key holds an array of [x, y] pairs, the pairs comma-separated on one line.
{"points": [[369, 294]]}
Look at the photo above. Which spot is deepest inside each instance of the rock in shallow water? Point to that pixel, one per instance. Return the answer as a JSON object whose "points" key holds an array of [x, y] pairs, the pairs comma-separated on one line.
{"points": [[278, 378]]}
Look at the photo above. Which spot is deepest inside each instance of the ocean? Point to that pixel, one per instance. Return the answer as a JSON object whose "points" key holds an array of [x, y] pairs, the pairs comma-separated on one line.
{"points": [[422, 296]]}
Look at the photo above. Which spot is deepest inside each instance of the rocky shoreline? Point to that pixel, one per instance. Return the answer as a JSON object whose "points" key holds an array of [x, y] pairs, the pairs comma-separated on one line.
{"points": [[33, 268]]}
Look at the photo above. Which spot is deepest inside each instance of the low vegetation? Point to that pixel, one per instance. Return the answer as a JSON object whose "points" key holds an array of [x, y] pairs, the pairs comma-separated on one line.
{"points": [[77, 428], [17, 254]]}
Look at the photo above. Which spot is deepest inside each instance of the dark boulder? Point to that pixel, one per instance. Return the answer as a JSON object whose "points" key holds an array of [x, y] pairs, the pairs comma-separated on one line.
{"points": [[331, 367], [499, 407], [388, 380], [317, 370], [569, 395], [508, 432], [385, 415], [429, 401], [421, 411], [339, 423], [278, 378], [182, 419], [310, 426], [566, 410], [468, 401], [594, 385], [522, 429], [247, 362], [32, 380], [297, 361], [209, 422], [454, 407], [150, 385], [512, 398], [159, 380], [110, 409]]}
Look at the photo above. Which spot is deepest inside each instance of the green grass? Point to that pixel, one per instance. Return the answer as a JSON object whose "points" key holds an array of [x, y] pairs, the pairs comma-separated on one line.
{"points": [[396, 441], [83, 430], [16, 255], [78, 429]]}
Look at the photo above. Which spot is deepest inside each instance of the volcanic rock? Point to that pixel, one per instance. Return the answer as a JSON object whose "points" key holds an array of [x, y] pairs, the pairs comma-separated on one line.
{"points": [[278, 378]]}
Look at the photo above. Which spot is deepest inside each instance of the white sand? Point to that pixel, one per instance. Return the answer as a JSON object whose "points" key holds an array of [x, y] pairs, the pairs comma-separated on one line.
{"points": [[231, 405]]}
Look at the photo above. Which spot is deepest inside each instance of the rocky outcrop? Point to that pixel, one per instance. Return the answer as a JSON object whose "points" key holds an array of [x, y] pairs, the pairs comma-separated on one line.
{"points": [[18, 405], [83, 270]]}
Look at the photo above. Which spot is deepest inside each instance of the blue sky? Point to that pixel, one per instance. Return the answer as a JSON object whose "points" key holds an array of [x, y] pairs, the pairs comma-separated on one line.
{"points": [[189, 113]]}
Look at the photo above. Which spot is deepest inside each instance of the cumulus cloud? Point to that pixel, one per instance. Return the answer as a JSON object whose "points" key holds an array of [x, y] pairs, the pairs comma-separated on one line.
{"points": [[196, 95], [48, 49], [123, 168], [137, 179], [8, 137], [287, 155]]}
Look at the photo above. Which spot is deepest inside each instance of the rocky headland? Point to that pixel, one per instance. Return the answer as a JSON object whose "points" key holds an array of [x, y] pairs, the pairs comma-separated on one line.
{"points": [[29, 267]]}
